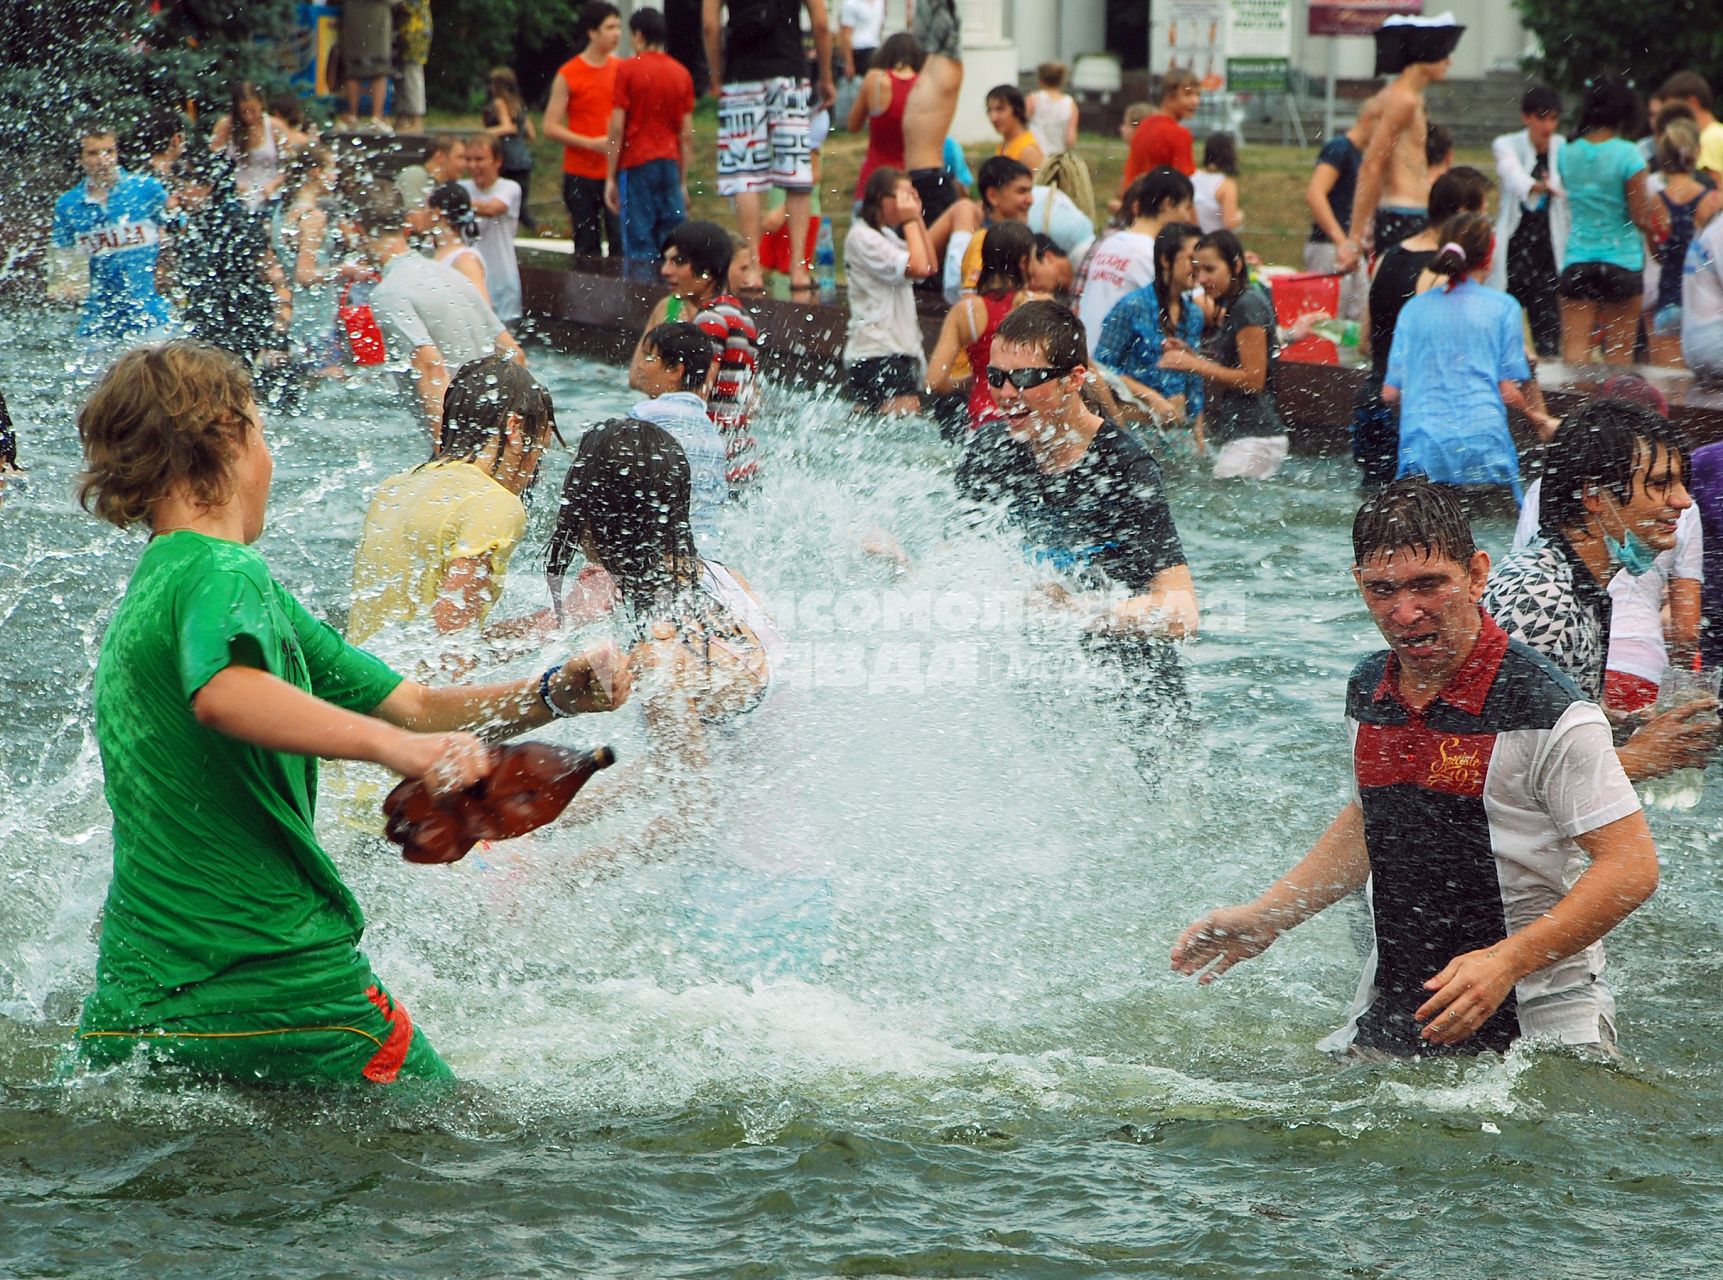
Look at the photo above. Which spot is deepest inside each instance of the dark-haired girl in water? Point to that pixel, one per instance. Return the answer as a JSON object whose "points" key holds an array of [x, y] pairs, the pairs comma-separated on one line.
{"points": [[696, 624], [711, 654]]}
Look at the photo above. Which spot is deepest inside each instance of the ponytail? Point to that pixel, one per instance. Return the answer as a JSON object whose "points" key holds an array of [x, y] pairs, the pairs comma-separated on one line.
{"points": [[1468, 243]]}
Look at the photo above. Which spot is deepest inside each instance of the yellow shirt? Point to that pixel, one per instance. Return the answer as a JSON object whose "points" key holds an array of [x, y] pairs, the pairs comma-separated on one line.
{"points": [[971, 271], [419, 522], [1711, 147]]}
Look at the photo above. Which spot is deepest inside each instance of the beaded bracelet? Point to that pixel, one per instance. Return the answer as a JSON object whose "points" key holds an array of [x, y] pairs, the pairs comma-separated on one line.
{"points": [[544, 694]]}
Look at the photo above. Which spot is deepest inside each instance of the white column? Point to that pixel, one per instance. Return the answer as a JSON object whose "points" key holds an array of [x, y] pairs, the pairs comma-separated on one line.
{"points": [[988, 59]]}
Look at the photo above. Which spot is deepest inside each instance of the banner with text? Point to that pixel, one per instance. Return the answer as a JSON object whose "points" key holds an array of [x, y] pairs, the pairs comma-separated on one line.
{"points": [[1356, 17]]}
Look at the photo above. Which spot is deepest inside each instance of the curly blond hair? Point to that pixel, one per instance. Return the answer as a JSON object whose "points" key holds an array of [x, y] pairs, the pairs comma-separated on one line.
{"points": [[166, 414]]}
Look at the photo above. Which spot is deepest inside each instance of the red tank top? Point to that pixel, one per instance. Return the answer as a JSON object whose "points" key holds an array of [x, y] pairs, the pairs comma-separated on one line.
{"points": [[885, 133], [981, 406]]}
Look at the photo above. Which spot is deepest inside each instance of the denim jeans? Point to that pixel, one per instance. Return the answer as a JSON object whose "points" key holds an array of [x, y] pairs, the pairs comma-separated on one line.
{"points": [[651, 206], [585, 200]]}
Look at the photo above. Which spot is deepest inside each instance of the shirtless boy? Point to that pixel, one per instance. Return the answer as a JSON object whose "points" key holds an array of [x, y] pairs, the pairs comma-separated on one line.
{"points": [[1394, 179]]}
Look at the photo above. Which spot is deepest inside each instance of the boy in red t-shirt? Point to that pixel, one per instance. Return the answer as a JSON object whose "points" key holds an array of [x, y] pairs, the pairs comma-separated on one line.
{"points": [[1161, 139], [651, 139], [578, 116]]}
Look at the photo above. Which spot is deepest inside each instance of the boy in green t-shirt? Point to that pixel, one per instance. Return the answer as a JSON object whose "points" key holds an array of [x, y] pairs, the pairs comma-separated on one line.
{"points": [[229, 942]]}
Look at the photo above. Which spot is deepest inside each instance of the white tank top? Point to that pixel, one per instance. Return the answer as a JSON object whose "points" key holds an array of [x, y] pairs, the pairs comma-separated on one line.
{"points": [[719, 583], [1205, 184], [466, 250], [1049, 118], [253, 170]]}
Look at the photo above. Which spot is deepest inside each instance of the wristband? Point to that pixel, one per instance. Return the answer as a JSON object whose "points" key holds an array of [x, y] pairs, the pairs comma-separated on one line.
{"points": [[544, 694]]}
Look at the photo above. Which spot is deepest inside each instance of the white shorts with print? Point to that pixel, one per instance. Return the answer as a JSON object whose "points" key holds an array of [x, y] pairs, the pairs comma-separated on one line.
{"points": [[763, 136]]}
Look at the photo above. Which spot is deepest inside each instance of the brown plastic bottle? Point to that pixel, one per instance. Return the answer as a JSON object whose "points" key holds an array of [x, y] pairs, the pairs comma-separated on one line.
{"points": [[530, 784]]}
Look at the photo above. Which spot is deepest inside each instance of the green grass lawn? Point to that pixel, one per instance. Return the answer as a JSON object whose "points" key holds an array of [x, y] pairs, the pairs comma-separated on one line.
{"points": [[1271, 182]]}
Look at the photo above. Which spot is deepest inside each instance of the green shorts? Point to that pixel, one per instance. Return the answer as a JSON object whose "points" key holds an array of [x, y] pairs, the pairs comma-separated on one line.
{"points": [[368, 1037]]}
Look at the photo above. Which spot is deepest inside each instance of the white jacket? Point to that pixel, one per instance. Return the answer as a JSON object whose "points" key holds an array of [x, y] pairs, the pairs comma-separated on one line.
{"points": [[1514, 161]]}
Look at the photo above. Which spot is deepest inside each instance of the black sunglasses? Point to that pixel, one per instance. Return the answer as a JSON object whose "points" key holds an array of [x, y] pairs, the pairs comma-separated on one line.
{"points": [[1023, 379]]}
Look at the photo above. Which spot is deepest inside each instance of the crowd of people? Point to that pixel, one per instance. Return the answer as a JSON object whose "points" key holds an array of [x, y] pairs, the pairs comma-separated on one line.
{"points": [[1494, 743]]}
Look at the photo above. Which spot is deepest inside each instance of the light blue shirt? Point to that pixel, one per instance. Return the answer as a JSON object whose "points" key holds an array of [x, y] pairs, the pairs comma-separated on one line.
{"points": [[1595, 175], [952, 158], [683, 415], [1132, 341], [1451, 351], [122, 236]]}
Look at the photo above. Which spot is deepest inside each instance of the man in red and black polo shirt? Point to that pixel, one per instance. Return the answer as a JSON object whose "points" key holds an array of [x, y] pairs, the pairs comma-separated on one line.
{"points": [[1484, 784]]}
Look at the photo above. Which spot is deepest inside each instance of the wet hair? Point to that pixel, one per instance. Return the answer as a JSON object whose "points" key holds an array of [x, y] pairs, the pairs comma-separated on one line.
{"points": [[504, 84], [1168, 241], [95, 129], [1048, 328], [1412, 514], [650, 26], [881, 183], [476, 408], [289, 109], [593, 15], [1011, 96], [244, 91], [1220, 153], [1677, 147], [1600, 446], [683, 346], [1177, 80], [1046, 245], [164, 414], [1232, 253], [380, 211], [1685, 85], [442, 143], [489, 141], [313, 159], [1468, 239], [1138, 112], [1154, 191], [899, 50], [1669, 113], [1003, 252], [1462, 189], [157, 130], [1540, 100], [452, 201], [1438, 144], [626, 497], [708, 248], [1051, 75], [999, 171], [1609, 102]]}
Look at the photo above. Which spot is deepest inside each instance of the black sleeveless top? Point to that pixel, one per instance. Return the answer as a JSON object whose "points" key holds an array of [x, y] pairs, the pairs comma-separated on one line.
{"points": [[1395, 284]]}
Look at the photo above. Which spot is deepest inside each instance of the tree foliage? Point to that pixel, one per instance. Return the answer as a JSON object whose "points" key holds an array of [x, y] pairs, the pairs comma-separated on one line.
{"points": [[1646, 40], [65, 64], [534, 37]]}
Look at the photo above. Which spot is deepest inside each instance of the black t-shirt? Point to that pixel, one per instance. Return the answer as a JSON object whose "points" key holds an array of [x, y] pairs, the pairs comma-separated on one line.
{"points": [[1108, 513], [1395, 285], [1234, 415], [1343, 157], [763, 41]]}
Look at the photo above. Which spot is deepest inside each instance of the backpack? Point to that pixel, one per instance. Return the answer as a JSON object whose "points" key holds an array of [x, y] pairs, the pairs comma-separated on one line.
{"points": [[1066, 172]]}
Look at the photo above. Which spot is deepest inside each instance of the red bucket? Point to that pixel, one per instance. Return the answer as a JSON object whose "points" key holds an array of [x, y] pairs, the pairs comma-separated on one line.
{"points": [[1297, 296]]}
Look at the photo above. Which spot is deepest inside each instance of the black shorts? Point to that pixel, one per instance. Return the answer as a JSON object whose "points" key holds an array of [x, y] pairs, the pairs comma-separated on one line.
{"points": [[937, 191], [1599, 282], [872, 382]]}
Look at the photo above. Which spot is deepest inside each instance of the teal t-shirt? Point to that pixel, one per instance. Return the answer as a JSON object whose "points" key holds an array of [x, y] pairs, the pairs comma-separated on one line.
{"points": [[1595, 175], [222, 900]]}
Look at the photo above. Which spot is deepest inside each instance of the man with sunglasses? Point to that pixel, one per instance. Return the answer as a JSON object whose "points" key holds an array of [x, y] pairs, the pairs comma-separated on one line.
{"points": [[1086, 494]]}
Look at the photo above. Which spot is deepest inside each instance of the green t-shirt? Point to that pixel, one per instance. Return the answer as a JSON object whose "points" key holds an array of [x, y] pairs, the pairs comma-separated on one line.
{"points": [[222, 900]]}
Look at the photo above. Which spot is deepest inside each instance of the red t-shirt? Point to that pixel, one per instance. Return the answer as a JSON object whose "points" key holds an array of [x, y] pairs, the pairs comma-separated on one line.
{"points": [[658, 94], [590, 90], [1160, 140]]}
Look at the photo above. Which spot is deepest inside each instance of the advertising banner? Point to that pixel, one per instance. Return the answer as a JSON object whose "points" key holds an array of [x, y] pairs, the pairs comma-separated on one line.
{"points": [[1356, 17]]}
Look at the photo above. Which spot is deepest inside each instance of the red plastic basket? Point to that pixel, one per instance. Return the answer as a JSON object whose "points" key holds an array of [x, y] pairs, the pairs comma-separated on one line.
{"points": [[1297, 296]]}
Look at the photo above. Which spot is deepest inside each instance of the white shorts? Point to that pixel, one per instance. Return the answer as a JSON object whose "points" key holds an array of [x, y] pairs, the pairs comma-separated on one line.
{"points": [[763, 137], [1252, 458]]}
